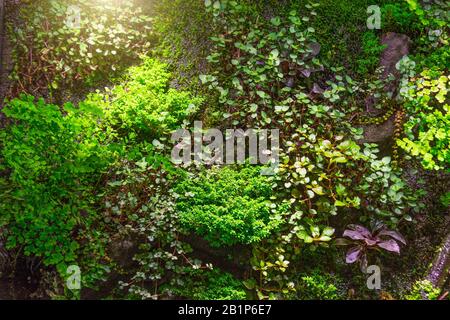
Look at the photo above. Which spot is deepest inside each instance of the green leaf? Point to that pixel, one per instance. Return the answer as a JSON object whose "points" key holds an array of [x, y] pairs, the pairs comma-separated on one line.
{"points": [[339, 203], [250, 284], [328, 231]]}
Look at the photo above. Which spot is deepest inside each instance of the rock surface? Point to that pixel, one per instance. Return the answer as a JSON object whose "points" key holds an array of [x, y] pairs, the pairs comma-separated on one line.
{"points": [[397, 46], [440, 267], [5, 55]]}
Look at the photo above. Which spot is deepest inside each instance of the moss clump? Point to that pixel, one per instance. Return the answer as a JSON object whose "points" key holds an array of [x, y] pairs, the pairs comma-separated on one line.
{"points": [[210, 285]]}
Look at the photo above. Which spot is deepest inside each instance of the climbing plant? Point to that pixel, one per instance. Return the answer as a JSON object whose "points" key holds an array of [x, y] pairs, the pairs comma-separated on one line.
{"points": [[427, 128], [269, 74], [99, 87]]}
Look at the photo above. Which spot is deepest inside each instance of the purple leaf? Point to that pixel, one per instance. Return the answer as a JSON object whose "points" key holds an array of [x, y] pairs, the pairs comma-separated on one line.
{"points": [[366, 233], [315, 48], [355, 235], [353, 254], [390, 245], [317, 89], [306, 72], [393, 234]]}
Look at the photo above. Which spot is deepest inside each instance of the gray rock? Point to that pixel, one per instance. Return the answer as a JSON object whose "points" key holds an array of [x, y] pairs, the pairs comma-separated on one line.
{"points": [[123, 251], [440, 267], [315, 49], [6, 63], [397, 46], [379, 133]]}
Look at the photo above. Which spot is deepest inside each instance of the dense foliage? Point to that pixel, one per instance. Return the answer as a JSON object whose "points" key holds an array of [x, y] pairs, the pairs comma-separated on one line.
{"points": [[86, 177], [54, 161], [60, 44], [228, 207], [428, 134]]}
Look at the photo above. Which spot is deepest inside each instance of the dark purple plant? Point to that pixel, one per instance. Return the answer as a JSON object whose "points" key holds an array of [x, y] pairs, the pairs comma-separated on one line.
{"points": [[362, 240]]}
